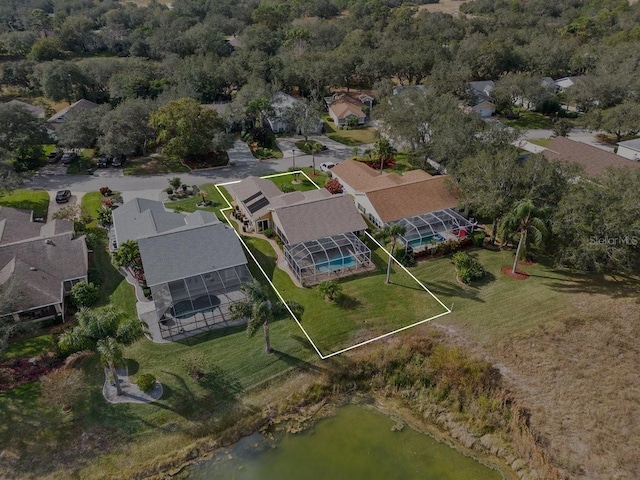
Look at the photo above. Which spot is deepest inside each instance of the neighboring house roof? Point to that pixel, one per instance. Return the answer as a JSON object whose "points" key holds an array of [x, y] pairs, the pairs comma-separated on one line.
{"points": [[567, 82], [255, 194], [190, 251], [593, 159], [396, 196], [402, 201], [360, 177], [35, 111], [141, 217], [320, 217], [346, 104], [40, 264], [17, 225], [631, 144], [483, 105], [79, 105]]}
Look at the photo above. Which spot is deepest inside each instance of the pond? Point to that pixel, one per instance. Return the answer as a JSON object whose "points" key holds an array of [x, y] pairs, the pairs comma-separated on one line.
{"points": [[357, 443]]}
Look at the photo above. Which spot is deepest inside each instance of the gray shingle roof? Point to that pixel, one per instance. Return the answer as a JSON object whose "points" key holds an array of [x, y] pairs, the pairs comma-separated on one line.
{"points": [[317, 219], [140, 217], [40, 266], [82, 104], [255, 191], [188, 252], [632, 144]]}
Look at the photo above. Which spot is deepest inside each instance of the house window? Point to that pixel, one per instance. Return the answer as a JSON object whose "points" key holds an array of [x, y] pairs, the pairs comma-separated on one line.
{"points": [[361, 208], [262, 225], [373, 220]]}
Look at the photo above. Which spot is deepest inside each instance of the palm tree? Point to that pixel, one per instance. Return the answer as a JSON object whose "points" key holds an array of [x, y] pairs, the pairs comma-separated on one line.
{"points": [[127, 254], [104, 331], [528, 221], [390, 233], [175, 183], [314, 147], [258, 308], [329, 289], [382, 150]]}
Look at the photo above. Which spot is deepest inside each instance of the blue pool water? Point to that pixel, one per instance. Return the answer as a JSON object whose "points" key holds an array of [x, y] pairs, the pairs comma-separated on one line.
{"points": [[336, 264], [426, 240]]}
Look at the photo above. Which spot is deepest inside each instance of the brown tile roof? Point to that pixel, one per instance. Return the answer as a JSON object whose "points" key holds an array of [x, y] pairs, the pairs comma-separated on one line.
{"points": [[343, 108], [593, 159], [401, 201], [323, 217], [361, 177]]}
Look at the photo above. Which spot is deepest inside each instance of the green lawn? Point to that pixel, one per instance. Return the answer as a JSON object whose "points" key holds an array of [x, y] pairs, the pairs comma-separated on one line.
{"points": [[353, 138], [36, 200], [154, 165], [319, 179], [189, 204], [529, 121], [92, 203], [29, 347], [543, 142], [83, 164]]}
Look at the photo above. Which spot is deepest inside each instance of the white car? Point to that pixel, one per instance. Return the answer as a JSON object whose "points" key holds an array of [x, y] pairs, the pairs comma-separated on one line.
{"points": [[325, 167]]}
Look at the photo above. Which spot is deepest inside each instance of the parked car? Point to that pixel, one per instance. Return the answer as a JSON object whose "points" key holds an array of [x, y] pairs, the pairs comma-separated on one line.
{"points": [[54, 156], [325, 167], [118, 160], [63, 196], [104, 161], [68, 157]]}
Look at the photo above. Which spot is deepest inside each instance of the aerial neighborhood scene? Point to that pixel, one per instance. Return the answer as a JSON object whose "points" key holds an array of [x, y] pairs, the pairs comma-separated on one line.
{"points": [[321, 239]]}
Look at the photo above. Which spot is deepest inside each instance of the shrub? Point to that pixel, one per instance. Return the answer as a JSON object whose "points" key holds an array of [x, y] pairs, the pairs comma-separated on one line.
{"points": [[84, 294], [105, 191], [64, 388], [334, 186], [405, 258], [195, 364], [169, 191], [108, 202], [468, 269], [448, 246], [146, 382], [286, 188], [268, 232]]}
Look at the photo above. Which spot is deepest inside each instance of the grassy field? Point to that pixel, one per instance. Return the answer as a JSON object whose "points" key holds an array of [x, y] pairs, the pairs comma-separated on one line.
{"points": [[543, 142], [189, 204], [353, 138], [530, 120], [36, 200], [39, 440], [155, 164]]}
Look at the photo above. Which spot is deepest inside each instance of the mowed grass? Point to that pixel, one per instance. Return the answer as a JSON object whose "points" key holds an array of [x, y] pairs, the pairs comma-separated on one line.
{"points": [[36, 200], [304, 184], [353, 138], [530, 120], [212, 195], [155, 164], [92, 203], [366, 309]]}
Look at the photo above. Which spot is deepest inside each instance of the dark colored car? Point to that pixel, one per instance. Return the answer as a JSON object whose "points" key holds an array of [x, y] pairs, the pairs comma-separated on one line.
{"points": [[68, 157], [118, 160], [63, 196], [54, 156], [104, 161]]}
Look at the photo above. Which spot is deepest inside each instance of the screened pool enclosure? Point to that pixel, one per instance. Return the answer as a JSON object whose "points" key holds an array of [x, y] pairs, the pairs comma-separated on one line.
{"points": [[427, 230], [329, 257], [198, 302]]}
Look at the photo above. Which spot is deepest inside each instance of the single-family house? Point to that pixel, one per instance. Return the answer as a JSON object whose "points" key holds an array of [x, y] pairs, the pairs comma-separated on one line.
{"points": [[278, 119], [593, 159], [35, 111], [319, 231], [565, 83], [424, 204], [629, 149], [40, 263], [482, 103], [193, 265], [345, 105], [55, 120]]}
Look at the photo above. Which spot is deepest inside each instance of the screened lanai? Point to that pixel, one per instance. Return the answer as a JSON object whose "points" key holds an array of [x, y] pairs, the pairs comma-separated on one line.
{"points": [[329, 257], [198, 302], [429, 229]]}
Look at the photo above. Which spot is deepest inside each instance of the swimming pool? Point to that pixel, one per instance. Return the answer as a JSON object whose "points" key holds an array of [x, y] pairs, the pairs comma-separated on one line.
{"points": [[185, 308], [419, 242], [336, 264]]}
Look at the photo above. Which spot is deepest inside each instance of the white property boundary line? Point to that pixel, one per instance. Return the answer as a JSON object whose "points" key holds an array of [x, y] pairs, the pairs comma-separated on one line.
{"points": [[371, 340]]}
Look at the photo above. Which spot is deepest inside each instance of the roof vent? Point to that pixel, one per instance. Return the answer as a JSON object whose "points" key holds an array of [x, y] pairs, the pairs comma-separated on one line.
{"points": [[48, 241], [33, 269]]}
